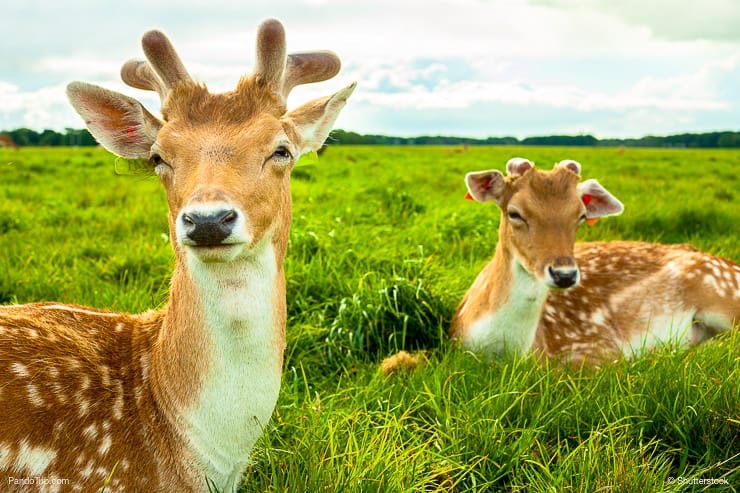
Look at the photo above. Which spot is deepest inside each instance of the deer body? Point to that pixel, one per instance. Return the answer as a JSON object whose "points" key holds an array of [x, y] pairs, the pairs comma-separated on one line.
{"points": [[543, 292], [174, 400], [666, 294]]}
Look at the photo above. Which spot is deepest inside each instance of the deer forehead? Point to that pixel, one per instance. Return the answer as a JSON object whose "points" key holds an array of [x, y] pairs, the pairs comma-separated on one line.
{"points": [[259, 134], [546, 193], [193, 103]]}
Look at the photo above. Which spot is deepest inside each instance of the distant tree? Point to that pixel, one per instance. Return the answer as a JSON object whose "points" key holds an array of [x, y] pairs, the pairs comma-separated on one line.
{"points": [[24, 137], [729, 139], [50, 138]]}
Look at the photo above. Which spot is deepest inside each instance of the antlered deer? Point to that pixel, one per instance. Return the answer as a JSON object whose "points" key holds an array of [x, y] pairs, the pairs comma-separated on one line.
{"points": [[174, 400], [584, 301]]}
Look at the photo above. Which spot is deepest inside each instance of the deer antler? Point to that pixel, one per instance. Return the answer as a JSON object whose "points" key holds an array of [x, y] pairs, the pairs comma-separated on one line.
{"points": [[282, 73], [162, 72]]}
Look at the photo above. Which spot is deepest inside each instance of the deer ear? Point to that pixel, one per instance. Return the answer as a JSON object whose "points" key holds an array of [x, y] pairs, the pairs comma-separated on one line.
{"points": [[598, 201], [485, 186], [574, 166], [314, 120], [517, 166], [120, 123]]}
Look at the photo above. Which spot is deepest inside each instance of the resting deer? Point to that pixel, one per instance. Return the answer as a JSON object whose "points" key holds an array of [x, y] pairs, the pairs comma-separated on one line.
{"points": [[174, 400], [584, 301]]}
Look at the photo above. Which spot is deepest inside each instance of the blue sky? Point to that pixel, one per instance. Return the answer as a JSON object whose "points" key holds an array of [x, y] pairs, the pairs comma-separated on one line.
{"points": [[519, 68]]}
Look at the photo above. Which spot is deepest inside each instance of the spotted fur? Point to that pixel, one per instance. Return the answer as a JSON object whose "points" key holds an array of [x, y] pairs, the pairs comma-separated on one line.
{"points": [[173, 400], [629, 296]]}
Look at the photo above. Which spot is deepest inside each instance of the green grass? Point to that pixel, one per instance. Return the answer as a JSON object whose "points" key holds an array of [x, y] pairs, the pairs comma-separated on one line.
{"points": [[382, 249]]}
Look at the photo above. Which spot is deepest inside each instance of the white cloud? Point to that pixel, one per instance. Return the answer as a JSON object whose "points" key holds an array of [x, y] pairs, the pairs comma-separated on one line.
{"points": [[668, 19], [569, 59], [47, 105]]}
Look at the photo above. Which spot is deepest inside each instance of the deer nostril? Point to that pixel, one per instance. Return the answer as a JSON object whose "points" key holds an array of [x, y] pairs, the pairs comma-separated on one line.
{"points": [[563, 278], [209, 228], [229, 218]]}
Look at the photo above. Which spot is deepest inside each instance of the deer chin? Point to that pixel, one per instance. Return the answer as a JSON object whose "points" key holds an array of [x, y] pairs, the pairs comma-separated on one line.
{"points": [[210, 254]]}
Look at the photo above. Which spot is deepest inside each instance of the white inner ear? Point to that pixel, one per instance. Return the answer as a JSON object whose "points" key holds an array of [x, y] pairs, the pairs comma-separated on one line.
{"points": [[574, 166], [484, 186], [314, 133], [603, 203], [517, 166]]}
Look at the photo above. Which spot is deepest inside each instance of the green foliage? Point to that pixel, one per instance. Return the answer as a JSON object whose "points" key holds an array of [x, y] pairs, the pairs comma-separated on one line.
{"points": [[705, 140], [75, 137], [383, 247], [71, 137]]}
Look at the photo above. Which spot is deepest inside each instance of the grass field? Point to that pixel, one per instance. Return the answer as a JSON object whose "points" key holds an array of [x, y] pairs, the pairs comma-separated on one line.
{"points": [[382, 249]]}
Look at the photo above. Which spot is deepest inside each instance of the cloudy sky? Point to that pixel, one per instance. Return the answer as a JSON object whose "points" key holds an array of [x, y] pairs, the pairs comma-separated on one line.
{"points": [[479, 68]]}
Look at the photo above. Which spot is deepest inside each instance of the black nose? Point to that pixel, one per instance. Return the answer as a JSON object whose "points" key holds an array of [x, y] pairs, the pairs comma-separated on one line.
{"points": [[563, 278], [209, 229]]}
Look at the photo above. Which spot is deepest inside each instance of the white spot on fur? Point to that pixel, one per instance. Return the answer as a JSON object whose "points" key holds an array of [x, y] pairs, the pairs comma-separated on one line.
{"points": [[598, 317], [118, 402], [104, 376], [33, 460], [105, 445], [79, 310], [84, 405], [59, 392], [88, 470], [90, 432], [4, 456], [144, 361], [19, 369], [34, 396]]}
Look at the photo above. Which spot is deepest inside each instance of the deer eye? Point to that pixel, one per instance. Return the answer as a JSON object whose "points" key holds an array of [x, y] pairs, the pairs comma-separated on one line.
{"points": [[156, 159], [161, 167], [282, 155], [514, 216]]}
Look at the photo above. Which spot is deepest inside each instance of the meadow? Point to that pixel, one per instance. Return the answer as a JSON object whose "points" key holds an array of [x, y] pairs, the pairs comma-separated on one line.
{"points": [[382, 248]]}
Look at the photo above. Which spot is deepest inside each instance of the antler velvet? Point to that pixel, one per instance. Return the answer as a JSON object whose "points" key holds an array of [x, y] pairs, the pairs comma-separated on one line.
{"points": [[278, 71]]}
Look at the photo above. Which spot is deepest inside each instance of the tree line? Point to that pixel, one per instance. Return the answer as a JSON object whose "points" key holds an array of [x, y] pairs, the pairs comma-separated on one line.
{"points": [[24, 137], [711, 139], [81, 137]]}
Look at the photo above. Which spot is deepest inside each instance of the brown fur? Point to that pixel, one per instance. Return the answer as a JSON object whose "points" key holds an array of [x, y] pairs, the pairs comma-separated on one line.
{"points": [[191, 102], [89, 395], [624, 286], [50, 361], [638, 273]]}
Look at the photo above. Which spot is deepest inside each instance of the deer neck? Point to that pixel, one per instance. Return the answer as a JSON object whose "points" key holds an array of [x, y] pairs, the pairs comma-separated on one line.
{"points": [[216, 366], [513, 302]]}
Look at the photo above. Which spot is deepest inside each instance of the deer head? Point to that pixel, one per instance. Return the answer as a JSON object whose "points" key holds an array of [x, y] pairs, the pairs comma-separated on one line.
{"points": [[541, 211], [224, 159]]}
